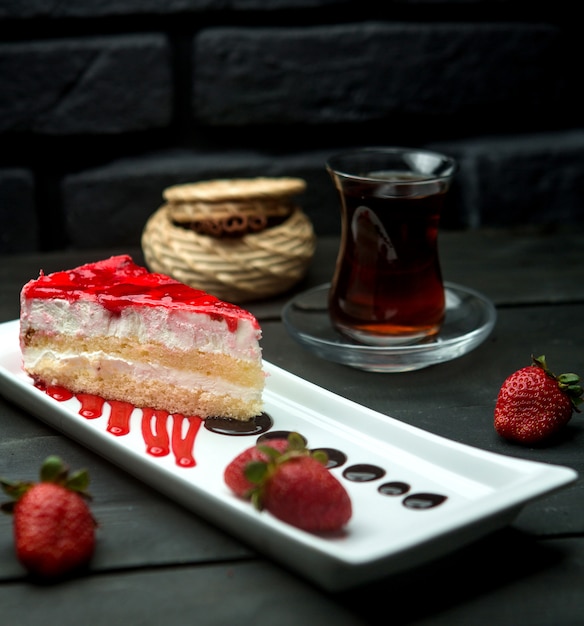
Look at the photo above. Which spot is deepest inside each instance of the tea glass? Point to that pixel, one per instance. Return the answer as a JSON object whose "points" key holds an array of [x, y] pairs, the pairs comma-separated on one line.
{"points": [[387, 287]]}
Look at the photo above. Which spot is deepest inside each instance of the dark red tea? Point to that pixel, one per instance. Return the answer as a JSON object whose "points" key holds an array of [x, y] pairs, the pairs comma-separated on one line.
{"points": [[387, 288]]}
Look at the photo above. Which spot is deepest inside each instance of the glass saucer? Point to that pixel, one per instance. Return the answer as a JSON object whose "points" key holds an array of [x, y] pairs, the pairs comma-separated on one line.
{"points": [[469, 319]]}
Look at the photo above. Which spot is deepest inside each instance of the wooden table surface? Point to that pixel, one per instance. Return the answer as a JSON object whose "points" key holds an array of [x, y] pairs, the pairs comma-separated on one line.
{"points": [[157, 563]]}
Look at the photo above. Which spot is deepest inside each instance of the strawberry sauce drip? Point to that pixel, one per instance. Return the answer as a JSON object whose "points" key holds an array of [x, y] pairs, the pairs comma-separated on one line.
{"points": [[156, 440], [60, 394], [119, 420], [183, 446], [91, 406], [154, 424]]}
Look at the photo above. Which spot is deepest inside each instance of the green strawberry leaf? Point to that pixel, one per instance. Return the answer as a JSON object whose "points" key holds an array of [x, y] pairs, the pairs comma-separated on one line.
{"points": [[256, 471], [321, 456], [14, 489], [53, 470], [79, 482], [256, 498], [270, 452], [568, 379], [540, 361], [296, 442]]}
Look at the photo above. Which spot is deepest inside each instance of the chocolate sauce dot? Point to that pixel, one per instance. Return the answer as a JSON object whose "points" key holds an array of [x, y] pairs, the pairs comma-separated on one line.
{"points": [[239, 428], [423, 500], [395, 488], [335, 457], [278, 434], [363, 473]]}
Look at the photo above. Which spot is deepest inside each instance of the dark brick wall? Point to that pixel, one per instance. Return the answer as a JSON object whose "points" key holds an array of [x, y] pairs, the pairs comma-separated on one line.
{"points": [[104, 103]]}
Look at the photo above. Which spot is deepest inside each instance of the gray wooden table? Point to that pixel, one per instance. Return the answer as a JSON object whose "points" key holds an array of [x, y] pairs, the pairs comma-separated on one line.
{"points": [[157, 563]]}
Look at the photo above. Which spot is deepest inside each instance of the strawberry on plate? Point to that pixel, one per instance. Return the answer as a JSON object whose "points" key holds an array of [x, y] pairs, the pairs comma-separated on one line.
{"points": [[54, 530], [533, 404], [292, 483]]}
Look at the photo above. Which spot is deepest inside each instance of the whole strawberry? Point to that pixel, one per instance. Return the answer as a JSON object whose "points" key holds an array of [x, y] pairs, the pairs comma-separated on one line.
{"points": [[54, 530], [295, 486], [533, 404]]}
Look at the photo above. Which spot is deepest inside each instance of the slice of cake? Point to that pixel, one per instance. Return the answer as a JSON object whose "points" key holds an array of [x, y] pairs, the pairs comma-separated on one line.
{"points": [[116, 330]]}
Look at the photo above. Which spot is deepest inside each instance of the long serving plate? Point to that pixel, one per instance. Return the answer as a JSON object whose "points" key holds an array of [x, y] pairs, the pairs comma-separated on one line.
{"points": [[415, 495]]}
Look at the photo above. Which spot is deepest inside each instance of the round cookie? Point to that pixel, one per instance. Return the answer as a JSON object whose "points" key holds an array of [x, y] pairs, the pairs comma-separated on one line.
{"points": [[235, 189]]}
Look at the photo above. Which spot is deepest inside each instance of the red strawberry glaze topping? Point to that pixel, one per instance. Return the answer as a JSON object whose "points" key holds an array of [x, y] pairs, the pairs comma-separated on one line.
{"points": [[118, 282]]}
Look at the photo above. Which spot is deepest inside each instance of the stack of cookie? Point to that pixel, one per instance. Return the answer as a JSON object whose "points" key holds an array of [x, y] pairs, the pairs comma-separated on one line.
{"points": [[239, 239]]}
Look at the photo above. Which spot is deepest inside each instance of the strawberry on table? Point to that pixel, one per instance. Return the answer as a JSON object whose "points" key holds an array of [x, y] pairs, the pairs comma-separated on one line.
{"points": [[293, 484], [54, 530], [534, 404]]}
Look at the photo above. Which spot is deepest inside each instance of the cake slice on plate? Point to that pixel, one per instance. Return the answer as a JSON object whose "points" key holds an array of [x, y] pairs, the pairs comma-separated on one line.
{"points": [[116, 330]]}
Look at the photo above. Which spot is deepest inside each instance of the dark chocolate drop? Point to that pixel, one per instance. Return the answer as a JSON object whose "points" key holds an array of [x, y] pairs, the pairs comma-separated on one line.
{"points": [[239, 428], [423, 500], [363, 473], [395, 488]]}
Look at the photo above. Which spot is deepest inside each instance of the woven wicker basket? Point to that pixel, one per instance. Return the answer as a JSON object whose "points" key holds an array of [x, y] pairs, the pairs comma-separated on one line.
{"points": [[240, 269]]}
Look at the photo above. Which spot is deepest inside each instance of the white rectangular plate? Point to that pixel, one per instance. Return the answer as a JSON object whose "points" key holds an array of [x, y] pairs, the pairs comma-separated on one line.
{"points": [[484, 491]]}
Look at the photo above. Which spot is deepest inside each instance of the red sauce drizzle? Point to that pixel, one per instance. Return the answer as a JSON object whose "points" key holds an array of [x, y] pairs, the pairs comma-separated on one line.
{"points": [[119, 420], [91, 406], [154, 424], [157, 442], [60, 394], [183, 446]]}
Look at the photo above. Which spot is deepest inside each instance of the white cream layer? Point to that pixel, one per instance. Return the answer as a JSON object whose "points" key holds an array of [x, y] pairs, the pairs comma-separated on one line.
{"points": [[178, 330], [104, 365]]}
